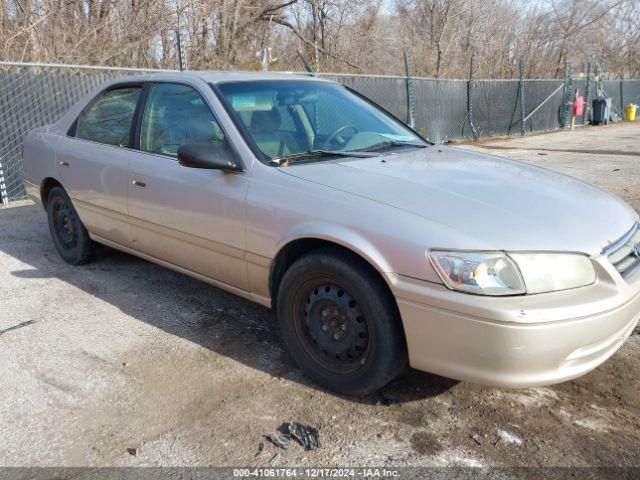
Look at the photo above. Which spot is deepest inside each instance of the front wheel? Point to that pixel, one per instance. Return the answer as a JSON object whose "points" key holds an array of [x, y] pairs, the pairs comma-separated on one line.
{"points": [[69, 235], [340, 322]]}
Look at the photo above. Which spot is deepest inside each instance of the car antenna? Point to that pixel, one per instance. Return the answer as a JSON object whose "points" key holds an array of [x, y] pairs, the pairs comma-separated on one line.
{"points": [[306, 64]]}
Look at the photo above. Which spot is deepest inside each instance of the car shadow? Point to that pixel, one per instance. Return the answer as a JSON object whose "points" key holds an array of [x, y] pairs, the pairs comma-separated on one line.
{"points": [[180, 305]]}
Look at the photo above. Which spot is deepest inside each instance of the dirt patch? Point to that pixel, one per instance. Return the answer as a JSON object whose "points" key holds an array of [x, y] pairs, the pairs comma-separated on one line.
{"points": [[425, 443]]}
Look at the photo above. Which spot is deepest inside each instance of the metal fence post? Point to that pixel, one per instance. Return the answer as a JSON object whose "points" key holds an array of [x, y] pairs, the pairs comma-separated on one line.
{"points": [[409, 84], [474, 132], [179, 45], [4, 198], [565, 94], [523, 120], [586, 117], [622, 97]]}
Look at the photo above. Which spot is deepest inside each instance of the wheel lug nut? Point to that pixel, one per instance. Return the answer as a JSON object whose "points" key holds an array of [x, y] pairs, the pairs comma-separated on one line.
{"points": [[324, 313], [336, 336], [325, 327], [343, 327]]}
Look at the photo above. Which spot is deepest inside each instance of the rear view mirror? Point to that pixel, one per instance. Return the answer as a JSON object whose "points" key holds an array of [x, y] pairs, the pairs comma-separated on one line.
{"points": [[209, 155]]}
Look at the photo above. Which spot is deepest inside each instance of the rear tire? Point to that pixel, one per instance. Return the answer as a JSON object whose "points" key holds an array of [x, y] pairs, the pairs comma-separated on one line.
{"points": [[341, 323], [69, 235]]}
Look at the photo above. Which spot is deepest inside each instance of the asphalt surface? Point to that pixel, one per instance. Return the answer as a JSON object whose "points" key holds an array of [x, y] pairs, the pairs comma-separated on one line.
{"points": [[122, 362]]}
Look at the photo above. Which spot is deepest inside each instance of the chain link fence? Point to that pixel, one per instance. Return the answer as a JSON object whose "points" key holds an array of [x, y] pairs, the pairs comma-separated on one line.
{"points": [[33, 95]]}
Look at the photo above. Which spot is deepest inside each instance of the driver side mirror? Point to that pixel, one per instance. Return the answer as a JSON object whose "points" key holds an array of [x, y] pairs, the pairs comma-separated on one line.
{"points": [[209, 155]]}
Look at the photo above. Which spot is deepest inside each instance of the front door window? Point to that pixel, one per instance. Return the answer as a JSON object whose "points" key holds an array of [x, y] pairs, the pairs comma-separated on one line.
{"points": [[176, 115]]}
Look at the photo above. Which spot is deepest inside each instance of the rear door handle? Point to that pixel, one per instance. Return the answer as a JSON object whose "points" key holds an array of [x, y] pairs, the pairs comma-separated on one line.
{"points": [[138, 181], [64, 163]]}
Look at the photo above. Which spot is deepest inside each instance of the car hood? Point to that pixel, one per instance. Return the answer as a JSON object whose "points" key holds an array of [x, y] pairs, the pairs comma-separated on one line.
{"points": [[493, 202]]}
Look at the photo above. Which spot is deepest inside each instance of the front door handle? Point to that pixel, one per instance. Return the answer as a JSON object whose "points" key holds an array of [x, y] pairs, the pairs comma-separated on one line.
{"points": [[138, 181], [64, 163]]}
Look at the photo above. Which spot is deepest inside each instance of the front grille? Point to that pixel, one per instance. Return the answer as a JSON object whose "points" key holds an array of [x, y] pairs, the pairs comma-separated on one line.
{"points": [[624, 253]]}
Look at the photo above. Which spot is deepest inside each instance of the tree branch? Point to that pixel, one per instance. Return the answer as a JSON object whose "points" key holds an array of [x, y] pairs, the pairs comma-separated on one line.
{"points": [[308, 42]]}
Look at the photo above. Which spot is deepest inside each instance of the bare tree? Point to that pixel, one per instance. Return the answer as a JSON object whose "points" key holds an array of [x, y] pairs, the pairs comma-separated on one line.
{"points": [[572, 17], [337, 35]]}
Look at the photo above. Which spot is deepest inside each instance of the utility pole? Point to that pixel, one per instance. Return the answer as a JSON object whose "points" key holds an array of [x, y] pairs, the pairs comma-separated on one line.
{"points": [[265, 54], [317, 54], [266, 58]]}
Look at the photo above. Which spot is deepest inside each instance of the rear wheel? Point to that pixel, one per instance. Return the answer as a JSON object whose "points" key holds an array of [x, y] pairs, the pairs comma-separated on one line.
{"points": [[340, 322], [69, 235]]}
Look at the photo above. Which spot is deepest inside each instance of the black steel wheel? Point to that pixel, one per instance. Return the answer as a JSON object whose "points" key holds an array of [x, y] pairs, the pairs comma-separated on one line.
{"points": [[333, 328], [69, 235], [340, 322]]}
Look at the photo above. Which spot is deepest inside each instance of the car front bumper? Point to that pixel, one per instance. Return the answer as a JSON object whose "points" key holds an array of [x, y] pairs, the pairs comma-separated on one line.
{"points": [[520, 341]]}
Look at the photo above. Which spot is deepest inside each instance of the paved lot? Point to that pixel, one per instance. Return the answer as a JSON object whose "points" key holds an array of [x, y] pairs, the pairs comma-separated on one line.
{"points": [[124, 354]]}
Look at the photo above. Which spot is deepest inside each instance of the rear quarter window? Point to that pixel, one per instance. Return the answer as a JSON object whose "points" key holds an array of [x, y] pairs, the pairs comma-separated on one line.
{"points": [[109, 117]]}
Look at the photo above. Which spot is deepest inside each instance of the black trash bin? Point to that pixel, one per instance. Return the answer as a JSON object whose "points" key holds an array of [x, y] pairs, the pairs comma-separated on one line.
{"points": [[601, 111]]}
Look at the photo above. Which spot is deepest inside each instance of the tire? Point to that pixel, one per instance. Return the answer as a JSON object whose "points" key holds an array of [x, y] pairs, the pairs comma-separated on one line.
{"points": [[330, 292], [69, 235]]}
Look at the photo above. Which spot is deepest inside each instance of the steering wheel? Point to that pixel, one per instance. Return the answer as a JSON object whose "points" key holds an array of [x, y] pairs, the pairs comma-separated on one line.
{"points": [[334, 135]]}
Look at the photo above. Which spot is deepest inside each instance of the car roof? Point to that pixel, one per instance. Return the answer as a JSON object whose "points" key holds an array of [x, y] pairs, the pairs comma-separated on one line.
{"points": [[220, 76]]}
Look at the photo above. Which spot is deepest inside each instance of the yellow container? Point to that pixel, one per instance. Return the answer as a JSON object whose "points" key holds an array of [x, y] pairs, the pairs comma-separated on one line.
{"points": [[631, 112]]}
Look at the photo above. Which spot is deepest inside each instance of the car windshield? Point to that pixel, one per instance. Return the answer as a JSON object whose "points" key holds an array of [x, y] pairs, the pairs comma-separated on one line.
{"points": [[296, 118]]}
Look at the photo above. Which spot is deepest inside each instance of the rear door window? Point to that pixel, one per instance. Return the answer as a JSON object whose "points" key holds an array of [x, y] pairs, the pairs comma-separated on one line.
{"points": [[109, 117]]}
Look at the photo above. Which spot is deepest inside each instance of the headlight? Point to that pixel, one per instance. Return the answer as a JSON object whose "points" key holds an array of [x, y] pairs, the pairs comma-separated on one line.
{"points": [[500, 273], [548, 272], [483, 273]]}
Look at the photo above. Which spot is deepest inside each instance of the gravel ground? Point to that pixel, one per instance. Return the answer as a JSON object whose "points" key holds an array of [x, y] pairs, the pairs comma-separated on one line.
{"points": [[123, 354]]}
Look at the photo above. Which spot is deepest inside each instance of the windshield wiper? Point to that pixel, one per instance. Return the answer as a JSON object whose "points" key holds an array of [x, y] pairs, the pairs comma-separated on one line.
{"points": [[392, 143], [292, 157]]}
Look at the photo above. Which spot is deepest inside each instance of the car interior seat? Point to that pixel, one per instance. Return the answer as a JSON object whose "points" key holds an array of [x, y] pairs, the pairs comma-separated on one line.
{"points": [[265, 129]]}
